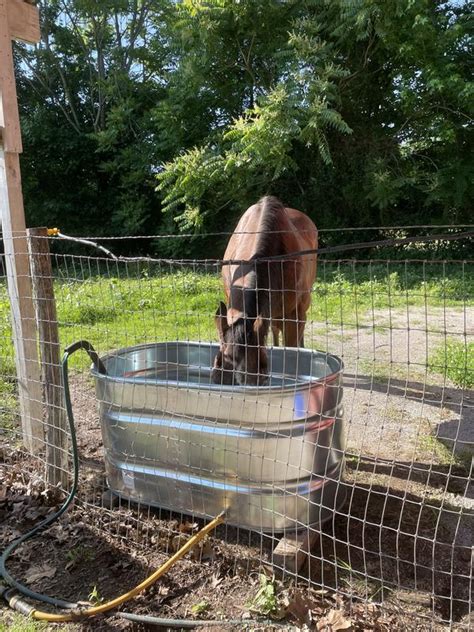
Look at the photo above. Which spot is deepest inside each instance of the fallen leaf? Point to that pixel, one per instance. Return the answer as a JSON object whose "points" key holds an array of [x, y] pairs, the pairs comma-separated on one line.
{"points": [[177, 542], [216, 580], [59, 534], [36, 512], [333, 621], [202, 551], [163, 590], [300, 607], [188, 527], [39, 572]]}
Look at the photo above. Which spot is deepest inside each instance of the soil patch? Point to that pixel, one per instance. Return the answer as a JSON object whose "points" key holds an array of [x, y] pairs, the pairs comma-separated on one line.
{"points": [[395, 557]]}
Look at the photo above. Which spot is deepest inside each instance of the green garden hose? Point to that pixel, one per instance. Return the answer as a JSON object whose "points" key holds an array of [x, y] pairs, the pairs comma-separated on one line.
{"points": [[75, 611], [11, 581]]}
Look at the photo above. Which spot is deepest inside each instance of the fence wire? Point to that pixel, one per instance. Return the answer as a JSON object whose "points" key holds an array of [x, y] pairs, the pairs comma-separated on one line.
{"points": [[374, 471]]}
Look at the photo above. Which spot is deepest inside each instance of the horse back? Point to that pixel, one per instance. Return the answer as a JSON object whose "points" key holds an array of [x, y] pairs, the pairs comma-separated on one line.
{"points": [[292, 232]]}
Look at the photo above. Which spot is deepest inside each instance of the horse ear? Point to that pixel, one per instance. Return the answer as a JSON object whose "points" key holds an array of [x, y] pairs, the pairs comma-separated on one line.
{"points": [[218, 361], [216, 372], [233, 315], [221, 320], [259, 330]]}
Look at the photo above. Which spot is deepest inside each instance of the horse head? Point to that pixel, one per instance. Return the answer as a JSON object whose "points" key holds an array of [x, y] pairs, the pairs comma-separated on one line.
{"points": [[242, 357]]}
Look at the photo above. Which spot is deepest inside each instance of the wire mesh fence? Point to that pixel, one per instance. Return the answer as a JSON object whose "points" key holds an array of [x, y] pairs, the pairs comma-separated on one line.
{"points": [[362, 443]]}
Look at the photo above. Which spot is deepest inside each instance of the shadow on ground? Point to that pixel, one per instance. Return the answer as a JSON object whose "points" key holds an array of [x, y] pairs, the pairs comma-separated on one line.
{"points": [[400, 529], [383, 541]]}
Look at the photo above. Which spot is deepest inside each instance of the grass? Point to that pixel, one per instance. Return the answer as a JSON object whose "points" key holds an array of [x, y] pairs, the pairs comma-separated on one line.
{"points": [[116, 312], [346, 293], [18, 623], [8, 405], [381, 371], [136, 306], [429, 446], [454, 360], [358, 583]]}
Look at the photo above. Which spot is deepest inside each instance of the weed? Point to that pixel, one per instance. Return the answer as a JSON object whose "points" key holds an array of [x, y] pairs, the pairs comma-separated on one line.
{"points": [[200, 608], [265, 601], [94, 597], [454, 360], [13, 622], [381, 371], [358, 583], [352, 460], [433, 446], [78, 555], [428, 444]]}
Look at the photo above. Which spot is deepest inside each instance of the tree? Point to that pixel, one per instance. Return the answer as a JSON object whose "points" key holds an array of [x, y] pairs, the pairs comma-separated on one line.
{"points": [[358, 112], [86, 95], [365, 120]]}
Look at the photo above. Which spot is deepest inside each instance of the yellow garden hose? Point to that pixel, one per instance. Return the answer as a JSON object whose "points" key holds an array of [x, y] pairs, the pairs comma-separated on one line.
{"points": [[76, 614], [10, 594]]}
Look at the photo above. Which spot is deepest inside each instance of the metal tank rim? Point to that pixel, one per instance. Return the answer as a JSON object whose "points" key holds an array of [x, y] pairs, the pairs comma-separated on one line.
{"points": [[222, 388]]}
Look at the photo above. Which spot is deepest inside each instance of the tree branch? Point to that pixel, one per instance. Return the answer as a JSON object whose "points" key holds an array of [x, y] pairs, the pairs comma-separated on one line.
{"points": [[48, 90]]}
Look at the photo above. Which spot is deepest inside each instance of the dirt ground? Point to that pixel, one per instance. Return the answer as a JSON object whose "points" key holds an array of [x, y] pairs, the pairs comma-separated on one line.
{"points": [[397, 555]]}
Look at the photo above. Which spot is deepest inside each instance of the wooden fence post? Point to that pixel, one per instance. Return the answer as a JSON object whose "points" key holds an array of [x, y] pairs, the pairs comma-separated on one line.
{"points": [[18, 20], [50, 354], [22, 314]]}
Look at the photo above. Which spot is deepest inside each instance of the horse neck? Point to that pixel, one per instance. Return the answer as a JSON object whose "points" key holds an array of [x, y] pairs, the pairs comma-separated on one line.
{"points": [[250, 296], [253, 280]]}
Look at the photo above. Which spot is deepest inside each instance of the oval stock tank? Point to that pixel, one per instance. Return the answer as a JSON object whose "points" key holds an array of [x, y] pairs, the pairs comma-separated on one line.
{"points": [[271, 456]]}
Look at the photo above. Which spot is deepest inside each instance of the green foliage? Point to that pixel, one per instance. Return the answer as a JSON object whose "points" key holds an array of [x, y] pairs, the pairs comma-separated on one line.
{"points": [[366, 119], [12, 622], [9, 409], [265, 601], [19, 623], [200, 607], [86, 103], [455, 360], [257, 143], [7, 363], [116, 312], [94, 597], [78, 555], [169, 304], [359, 113]]}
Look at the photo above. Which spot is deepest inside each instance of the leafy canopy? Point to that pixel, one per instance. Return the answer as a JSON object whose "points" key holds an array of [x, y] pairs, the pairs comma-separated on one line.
{"points": [[357, 111]]}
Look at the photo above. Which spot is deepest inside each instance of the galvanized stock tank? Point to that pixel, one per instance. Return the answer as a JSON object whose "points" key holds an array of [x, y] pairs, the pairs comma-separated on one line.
{"points": [[272, 455]]}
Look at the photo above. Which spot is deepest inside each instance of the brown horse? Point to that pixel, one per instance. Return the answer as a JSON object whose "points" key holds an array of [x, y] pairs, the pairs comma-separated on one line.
{"points": [[263, 294]]}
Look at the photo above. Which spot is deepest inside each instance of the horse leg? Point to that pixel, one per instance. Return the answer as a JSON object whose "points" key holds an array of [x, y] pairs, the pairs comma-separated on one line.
{"points": [[293, 331], [301, 326], [301, 310], [290, 331]]}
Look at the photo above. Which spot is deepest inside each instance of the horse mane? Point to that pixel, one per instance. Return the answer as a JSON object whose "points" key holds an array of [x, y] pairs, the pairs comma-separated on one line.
{"points": [[253, 299], [269, 240]]}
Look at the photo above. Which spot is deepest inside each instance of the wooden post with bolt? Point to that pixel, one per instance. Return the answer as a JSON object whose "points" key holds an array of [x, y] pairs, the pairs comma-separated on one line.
{"points": [[19, 20], [50, 355]]}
